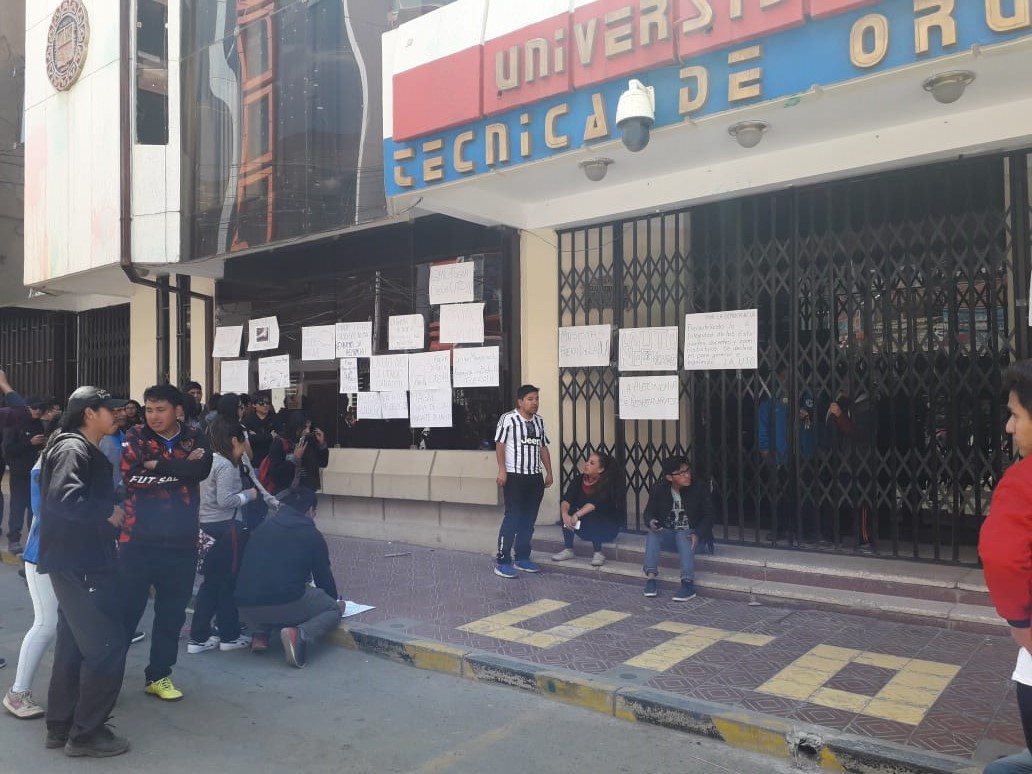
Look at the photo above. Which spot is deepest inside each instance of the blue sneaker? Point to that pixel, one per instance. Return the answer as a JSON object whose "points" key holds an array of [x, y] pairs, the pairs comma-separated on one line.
{"points": [[687, 591], [505, 571], [650, 587], [527, 566]]}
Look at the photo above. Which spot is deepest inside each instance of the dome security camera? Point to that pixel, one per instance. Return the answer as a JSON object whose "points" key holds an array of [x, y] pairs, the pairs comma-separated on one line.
{"points": [[636, 115]]}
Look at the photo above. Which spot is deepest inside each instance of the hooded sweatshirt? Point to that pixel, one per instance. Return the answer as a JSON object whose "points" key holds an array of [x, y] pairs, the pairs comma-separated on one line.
{"points": [[281, 555]]}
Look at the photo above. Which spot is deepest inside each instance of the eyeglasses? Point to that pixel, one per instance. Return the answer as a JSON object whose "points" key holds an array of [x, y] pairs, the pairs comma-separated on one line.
{"points": [[261, 403], [683, 472]]}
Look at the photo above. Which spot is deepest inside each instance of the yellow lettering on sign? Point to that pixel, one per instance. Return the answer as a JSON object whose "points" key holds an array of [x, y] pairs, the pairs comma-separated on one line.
{"points": [[619, 38], [497, 138], [693, 96], [524, 135], [700, 22], [560, 51], [584, 36], [746, 84], [736, 8], [553, 139], [463, 165], [869, 40], [597, 125], [433, 165], [653, 23], [998, 21], [507, 69], [401, 176], [535, 60], [940, 18]]}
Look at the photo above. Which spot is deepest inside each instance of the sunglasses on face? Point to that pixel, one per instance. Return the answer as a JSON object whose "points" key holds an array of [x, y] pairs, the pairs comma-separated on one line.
{"points": [[261, 403]]}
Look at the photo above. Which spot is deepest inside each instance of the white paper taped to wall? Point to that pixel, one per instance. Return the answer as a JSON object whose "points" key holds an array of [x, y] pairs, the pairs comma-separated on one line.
{"points": [[369, 406], [452, 283], [235, 376], [721, 340], [388, 373], [585, 346], [354, 339], [273, 372], [649, 397], [475, 367], [227, 341], [263, 334], [429, 370], [430, 408], [648, 349], [462, 324], [349, 374], [394, 405], [406, 331]]}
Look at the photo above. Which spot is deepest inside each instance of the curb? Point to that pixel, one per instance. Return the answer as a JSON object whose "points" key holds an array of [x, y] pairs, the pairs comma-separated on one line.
{"points": [[808, 746]]}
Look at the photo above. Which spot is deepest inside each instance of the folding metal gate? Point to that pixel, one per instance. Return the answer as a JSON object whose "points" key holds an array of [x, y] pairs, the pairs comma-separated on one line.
{"points": [[900, 297]]}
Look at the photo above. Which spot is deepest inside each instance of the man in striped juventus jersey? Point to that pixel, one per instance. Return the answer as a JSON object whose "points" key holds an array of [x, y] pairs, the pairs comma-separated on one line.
{"points": [[521, 446]]}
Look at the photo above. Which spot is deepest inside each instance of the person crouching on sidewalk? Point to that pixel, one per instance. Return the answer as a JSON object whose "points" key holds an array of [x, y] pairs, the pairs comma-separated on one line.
{"points": [[588, 508], [676, 513], [1004, 546], [272, 588], [223, 499]]}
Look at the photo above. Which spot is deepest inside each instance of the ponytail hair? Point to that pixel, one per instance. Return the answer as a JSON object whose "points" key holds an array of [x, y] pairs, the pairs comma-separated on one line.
{"points": [[221, 432]]}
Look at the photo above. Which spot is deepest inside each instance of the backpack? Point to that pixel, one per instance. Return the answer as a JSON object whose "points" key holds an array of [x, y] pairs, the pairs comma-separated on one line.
{"points": [[265, 469]]}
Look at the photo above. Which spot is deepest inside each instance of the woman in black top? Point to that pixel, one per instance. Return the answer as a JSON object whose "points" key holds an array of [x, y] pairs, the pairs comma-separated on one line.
{"points": [[588, 508]]}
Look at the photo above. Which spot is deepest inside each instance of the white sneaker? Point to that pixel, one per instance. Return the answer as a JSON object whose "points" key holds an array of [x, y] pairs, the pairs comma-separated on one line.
{"points": [[562, 556], [598, 559], [243, 641], [202, 647]]}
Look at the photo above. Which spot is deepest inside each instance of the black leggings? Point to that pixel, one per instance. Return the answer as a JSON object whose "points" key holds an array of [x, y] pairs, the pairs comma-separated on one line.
{"points": [[1025, 710]]}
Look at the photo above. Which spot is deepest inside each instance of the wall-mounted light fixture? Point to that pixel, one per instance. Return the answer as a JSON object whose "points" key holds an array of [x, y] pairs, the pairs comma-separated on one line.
{"points": [[748, 133], [595, 169], [949, 86]]}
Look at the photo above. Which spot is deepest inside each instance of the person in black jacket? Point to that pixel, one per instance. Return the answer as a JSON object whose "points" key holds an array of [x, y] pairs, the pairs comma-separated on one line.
{"points": [[272, 587], [261, 424], [296, 457], [21, 448], [588, 508], [677, 512], [163, 464], [78, 525]]}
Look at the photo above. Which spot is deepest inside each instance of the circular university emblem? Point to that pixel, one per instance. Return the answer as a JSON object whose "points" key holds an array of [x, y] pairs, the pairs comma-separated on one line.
{"points": [[66, 43]]}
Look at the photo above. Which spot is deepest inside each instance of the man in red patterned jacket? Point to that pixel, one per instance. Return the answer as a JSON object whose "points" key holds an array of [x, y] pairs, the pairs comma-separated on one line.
{"points": [[1005, 546], [163, 465]]}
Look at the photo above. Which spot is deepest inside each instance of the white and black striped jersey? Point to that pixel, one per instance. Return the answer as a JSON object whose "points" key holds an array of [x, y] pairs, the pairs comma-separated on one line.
{"points": [[523, 439]]}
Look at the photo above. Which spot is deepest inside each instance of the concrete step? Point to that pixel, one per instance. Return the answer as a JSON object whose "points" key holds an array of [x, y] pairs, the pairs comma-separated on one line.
{"points": [[951, 597]]}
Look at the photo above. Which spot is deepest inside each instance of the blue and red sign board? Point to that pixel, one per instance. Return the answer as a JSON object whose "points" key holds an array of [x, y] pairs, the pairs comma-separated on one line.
{"points": [[553, 86]]}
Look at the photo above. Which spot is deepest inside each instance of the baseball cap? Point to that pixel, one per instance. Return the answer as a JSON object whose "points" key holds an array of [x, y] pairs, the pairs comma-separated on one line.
{"points": [[94, 398]]}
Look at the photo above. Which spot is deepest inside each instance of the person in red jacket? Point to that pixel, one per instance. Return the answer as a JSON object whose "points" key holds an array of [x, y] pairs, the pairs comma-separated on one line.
{"points": [[1005, 546]]}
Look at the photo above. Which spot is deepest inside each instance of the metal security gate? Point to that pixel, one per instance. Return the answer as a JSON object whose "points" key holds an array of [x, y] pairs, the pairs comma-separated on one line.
{"points": [[895, 300], [103, 337]]}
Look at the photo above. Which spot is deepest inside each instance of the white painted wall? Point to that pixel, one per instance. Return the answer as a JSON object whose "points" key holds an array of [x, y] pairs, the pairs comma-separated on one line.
{"points": [[71, 151]]}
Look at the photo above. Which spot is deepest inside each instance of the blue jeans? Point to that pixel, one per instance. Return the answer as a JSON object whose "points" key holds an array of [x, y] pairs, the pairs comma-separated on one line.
{"points": [[1012, 764], [679, 540]]}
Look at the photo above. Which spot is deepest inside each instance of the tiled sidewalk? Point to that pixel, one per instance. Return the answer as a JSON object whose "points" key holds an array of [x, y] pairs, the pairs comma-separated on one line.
{"points": [[930, 688]]}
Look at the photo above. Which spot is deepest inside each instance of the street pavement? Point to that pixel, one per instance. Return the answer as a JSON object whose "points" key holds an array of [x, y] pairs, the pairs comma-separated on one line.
{"points": [[345, 712], [922, 687]]}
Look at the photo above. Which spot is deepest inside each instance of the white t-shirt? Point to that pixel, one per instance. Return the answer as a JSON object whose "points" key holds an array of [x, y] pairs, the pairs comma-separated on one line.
{"points": [[1023, 669]]}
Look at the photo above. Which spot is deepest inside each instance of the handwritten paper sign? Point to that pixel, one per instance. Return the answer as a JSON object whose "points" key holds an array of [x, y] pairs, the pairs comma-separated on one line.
{"points": [[648, 349], [475, 367], [355, 339], [429, 370], [369, 406], [721, 340], [273, 372], [263, 334], [349, 374], [451, 284], [405, 331], [227, 341], [388, 373], [430, 408], [235, 376], [649, 397], [394, 405], [584, 346], [462, 324], [319, 342]]}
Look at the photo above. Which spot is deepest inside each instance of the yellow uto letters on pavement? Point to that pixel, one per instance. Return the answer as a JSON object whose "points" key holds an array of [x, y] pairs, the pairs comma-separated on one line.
{"points": [[502, 626]]}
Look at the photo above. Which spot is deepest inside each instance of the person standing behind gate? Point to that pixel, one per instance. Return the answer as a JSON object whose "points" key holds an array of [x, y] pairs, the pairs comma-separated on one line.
{"points": [[521, 446], [163, 466]]}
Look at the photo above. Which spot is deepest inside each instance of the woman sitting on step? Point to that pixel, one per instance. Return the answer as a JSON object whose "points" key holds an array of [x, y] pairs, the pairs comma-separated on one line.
{"points": [[588, 508]]}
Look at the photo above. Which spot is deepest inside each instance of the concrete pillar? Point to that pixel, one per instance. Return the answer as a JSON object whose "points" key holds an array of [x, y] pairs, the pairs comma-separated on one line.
{"points": [[142, 347], [539, 336]]}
